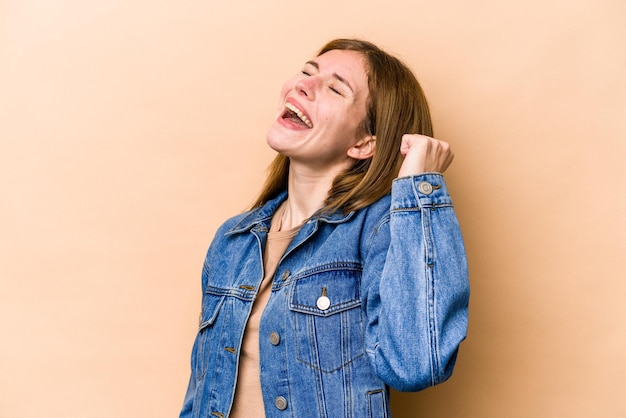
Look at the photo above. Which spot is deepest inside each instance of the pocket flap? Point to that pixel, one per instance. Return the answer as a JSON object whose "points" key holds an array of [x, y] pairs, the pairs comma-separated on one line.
{"points": [[211, 305], [341, 287]]}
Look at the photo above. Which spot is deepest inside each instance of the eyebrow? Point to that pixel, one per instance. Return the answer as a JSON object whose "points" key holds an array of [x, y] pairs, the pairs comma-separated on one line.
{"points": [[337, 76]]}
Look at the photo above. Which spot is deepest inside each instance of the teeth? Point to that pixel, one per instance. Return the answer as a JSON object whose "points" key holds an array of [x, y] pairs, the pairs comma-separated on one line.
{"points": [[299, 113]]}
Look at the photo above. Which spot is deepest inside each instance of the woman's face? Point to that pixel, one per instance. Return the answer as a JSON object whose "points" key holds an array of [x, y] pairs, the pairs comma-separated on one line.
{"points": [[321, 111]]}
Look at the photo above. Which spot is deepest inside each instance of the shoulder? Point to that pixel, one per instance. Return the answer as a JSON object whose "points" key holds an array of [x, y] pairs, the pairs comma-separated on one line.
{"points": [[238, 223], [373, 222], [380, 208], [259, 216], [236, 220], [376, 213]]}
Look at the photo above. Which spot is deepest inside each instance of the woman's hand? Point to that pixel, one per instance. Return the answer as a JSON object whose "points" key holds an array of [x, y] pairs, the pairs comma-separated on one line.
{"points": [[423, 154]]}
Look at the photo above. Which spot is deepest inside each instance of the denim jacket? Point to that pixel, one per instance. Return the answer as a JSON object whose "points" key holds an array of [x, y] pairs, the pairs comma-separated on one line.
{"points": [[360, 302]]}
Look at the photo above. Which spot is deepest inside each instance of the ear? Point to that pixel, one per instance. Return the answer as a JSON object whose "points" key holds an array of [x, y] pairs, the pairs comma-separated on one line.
{"points": [[364, 148]]}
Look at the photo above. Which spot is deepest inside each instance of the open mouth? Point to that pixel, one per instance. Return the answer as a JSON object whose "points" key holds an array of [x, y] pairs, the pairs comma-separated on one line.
{"points": [[296, 115]]}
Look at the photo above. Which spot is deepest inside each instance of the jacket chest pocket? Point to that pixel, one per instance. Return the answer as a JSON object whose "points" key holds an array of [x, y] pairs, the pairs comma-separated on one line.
{"points": [[328, 319], [211, 305]]}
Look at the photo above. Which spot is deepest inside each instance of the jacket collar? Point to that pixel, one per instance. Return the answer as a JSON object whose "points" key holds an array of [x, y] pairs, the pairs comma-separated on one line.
{"points": [[262, 216]]}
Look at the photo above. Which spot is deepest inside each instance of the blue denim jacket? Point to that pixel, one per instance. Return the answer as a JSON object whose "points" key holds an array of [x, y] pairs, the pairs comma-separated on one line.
{"points": [[395, 278]]}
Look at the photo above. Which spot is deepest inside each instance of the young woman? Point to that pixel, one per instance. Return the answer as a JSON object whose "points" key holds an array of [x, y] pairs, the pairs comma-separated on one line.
{"points": [[349, 274]]}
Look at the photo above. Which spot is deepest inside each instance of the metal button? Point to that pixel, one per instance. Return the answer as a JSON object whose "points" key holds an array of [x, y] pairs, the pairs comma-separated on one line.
{"points": [[281, 403], [323, 303], [425, 187], [274, 338], [286, 274]]}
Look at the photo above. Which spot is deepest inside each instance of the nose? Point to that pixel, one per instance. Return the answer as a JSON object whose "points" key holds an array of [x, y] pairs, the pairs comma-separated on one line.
{"points": [[306, 87]]}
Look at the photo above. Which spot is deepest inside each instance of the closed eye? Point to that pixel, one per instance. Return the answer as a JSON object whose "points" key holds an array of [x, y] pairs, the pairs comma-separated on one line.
{"points": [[334, 90]]}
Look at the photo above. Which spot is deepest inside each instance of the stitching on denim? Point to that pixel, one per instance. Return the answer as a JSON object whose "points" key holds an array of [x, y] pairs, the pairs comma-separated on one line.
{"points": [[246, 295], [429, 256], [332, 266], [370, 396]]}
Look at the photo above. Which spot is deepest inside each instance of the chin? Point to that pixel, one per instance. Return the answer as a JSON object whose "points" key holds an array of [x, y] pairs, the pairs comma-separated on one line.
{"points": [[279, 140], [274, 141]]}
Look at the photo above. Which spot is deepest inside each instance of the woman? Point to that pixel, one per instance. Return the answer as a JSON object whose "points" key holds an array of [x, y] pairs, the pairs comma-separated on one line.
{"points": [[349, 275]]}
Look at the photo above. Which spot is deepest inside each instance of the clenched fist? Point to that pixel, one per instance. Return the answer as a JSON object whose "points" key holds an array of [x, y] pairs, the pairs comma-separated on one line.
{"points": [[423, 154]]}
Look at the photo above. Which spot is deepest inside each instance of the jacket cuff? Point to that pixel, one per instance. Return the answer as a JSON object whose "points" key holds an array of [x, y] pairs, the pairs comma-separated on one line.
{"points": [[422, 190]]}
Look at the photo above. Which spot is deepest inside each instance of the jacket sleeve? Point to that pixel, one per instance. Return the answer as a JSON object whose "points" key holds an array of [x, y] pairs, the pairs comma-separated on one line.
{"points": [[416, 286]]}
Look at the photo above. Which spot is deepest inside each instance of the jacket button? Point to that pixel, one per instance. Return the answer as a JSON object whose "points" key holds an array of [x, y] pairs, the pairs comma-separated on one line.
{"points": [[425, 187], [281, 403], [274, 338], [286, 274], [323, 303]]}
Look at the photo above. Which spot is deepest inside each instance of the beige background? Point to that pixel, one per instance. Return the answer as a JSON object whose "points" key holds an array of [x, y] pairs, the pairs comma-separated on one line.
{"points": [[130, 129]]}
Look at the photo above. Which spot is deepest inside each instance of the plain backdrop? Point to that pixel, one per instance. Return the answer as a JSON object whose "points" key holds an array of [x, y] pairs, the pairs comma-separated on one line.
{"points": [[130, 129]]}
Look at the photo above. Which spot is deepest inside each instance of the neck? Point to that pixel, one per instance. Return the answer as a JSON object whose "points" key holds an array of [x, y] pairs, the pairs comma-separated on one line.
{"points": [[308, 190]]}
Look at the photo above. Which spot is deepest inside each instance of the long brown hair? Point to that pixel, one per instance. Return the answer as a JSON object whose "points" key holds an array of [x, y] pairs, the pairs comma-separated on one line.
{"points": [[396, 105]]}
